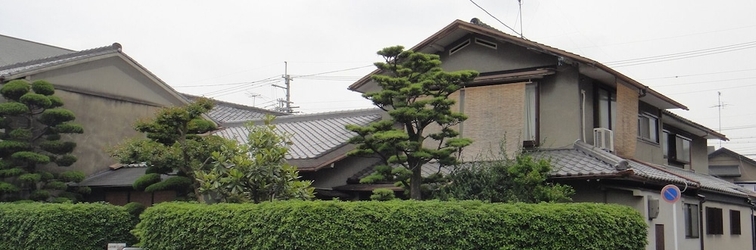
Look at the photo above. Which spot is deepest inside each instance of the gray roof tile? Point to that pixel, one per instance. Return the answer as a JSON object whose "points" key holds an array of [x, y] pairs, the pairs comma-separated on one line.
{"points": [[312, 135], [21, 67], [226, 112]]}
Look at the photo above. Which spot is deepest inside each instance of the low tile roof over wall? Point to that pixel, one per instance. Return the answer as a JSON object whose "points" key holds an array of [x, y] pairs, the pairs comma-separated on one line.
{"points": [[317, 139], [226, 112]]}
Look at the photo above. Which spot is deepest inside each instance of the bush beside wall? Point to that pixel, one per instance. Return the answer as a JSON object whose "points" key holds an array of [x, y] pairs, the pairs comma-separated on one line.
{"points": [[391, 225], [63, 226]]}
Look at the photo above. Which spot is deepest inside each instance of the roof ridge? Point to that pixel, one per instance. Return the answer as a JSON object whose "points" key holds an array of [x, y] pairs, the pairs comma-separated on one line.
{"points": [[308, 117], [114, 47]]}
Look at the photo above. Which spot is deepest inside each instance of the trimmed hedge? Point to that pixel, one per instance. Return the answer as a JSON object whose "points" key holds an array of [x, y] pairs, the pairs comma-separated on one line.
{"points": [[63, 226], [391, 225]]}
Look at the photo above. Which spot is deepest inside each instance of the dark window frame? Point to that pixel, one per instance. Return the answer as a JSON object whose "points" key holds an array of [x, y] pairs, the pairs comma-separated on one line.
{"points": [[735, 228], [714, 221], [611, 103], [653, 135], [692, 220]]}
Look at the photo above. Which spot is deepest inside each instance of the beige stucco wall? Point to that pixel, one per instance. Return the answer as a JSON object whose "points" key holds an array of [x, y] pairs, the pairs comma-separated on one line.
{"points": [[107, 95], [111, 76], [699, 155], [626, 126], [483, 59], [559, 109], [650, 152], [106, 123], [726, 240]]}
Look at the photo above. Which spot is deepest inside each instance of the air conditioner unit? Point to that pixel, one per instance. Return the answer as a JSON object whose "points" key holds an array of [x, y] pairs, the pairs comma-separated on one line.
{"points": [[604, 139]]}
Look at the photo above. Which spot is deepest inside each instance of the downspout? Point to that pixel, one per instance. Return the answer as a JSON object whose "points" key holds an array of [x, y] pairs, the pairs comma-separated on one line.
{"points": [[582, 113], [752, 204], [701, 200]]}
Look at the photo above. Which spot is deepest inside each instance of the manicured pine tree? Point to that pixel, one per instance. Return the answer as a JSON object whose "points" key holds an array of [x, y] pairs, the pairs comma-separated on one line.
{"points": [[32, 120], [414, 92]]}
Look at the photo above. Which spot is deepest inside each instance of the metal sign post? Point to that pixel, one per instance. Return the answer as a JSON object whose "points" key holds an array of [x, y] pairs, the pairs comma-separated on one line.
{"points": [[671, 193]]}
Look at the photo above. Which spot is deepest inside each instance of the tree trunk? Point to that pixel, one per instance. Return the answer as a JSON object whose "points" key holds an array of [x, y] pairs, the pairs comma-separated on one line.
{"points": [[415, 181]]}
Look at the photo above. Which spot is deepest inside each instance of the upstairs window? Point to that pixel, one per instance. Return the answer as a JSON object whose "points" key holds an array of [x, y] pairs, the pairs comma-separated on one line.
{"points": [[606, 103], [529, 131], [679, 148], [648, 127]]}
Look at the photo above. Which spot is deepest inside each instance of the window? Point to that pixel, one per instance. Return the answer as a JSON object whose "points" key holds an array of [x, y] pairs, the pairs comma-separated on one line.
{"points": [[676, 148], [648, 127], [714, 221], [682, 149], [607, 108], [735, 222], [529, 130], [665, 143], [691, 220]]}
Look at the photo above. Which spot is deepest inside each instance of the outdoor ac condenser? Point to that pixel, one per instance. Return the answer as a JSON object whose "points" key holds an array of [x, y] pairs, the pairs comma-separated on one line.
{"points": [[604, 139]]}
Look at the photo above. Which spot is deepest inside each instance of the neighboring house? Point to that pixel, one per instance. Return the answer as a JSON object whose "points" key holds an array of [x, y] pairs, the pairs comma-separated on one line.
{"points": [[733, 167], [608, 135], [319, 145]]}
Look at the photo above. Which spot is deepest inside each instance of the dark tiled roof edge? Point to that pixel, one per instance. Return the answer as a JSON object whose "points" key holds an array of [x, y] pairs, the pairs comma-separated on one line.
{"points": [[115, 47]]}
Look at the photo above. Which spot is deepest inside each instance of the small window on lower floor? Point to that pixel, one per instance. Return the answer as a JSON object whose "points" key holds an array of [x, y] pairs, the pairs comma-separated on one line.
{"points": [[714, 221], [691, 220], [735, 222]]}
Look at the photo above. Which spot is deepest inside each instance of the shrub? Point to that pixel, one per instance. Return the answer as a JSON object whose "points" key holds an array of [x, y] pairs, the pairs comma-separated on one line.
{"points": [[63, 226], [134, 209], [178, 183], [391, 225], [146, 180]]}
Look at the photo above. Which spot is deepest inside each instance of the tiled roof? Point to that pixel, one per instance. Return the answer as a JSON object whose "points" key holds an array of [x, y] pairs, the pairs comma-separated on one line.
{"points": [[15, 50], [313, 135], [225, 112], [118, 175], [21, 67], [584, 161]]}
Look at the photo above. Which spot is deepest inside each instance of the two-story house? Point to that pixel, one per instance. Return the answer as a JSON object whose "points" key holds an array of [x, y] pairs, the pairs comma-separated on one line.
{"points": [[609, 136]]}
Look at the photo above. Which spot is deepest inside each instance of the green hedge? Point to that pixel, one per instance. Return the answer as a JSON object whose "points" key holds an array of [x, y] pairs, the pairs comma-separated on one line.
{"points": [[391, 225], [63, 226]]}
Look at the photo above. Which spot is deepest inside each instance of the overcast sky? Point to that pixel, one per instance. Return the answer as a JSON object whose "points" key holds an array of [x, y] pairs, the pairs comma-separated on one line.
{"points": [[233, 50]]}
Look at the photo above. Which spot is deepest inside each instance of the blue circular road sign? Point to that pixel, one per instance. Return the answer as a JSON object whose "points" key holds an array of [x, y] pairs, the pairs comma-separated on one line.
{"points": [[670, 193]]}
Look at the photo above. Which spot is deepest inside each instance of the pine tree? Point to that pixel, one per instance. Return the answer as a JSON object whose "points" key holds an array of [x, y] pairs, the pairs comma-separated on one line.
{"points": [[33, 119], [174, 146], [414, 92]]}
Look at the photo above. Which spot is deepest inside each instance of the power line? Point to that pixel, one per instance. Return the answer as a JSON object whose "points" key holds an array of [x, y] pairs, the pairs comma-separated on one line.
{"points": [[330, 72], [223, 84], [682, 55], [497, 19], [701, 74]]}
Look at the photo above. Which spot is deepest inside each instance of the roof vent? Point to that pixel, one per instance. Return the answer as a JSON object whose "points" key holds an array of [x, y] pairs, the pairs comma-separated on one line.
{"points": [[459, 47]]}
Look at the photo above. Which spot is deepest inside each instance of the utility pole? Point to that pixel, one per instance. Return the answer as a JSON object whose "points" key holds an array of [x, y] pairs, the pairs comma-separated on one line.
{"points": [[286, 104]]}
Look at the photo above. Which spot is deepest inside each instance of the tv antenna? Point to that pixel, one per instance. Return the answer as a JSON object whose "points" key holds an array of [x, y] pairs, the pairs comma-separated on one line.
{"points": [[720, 105]]}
